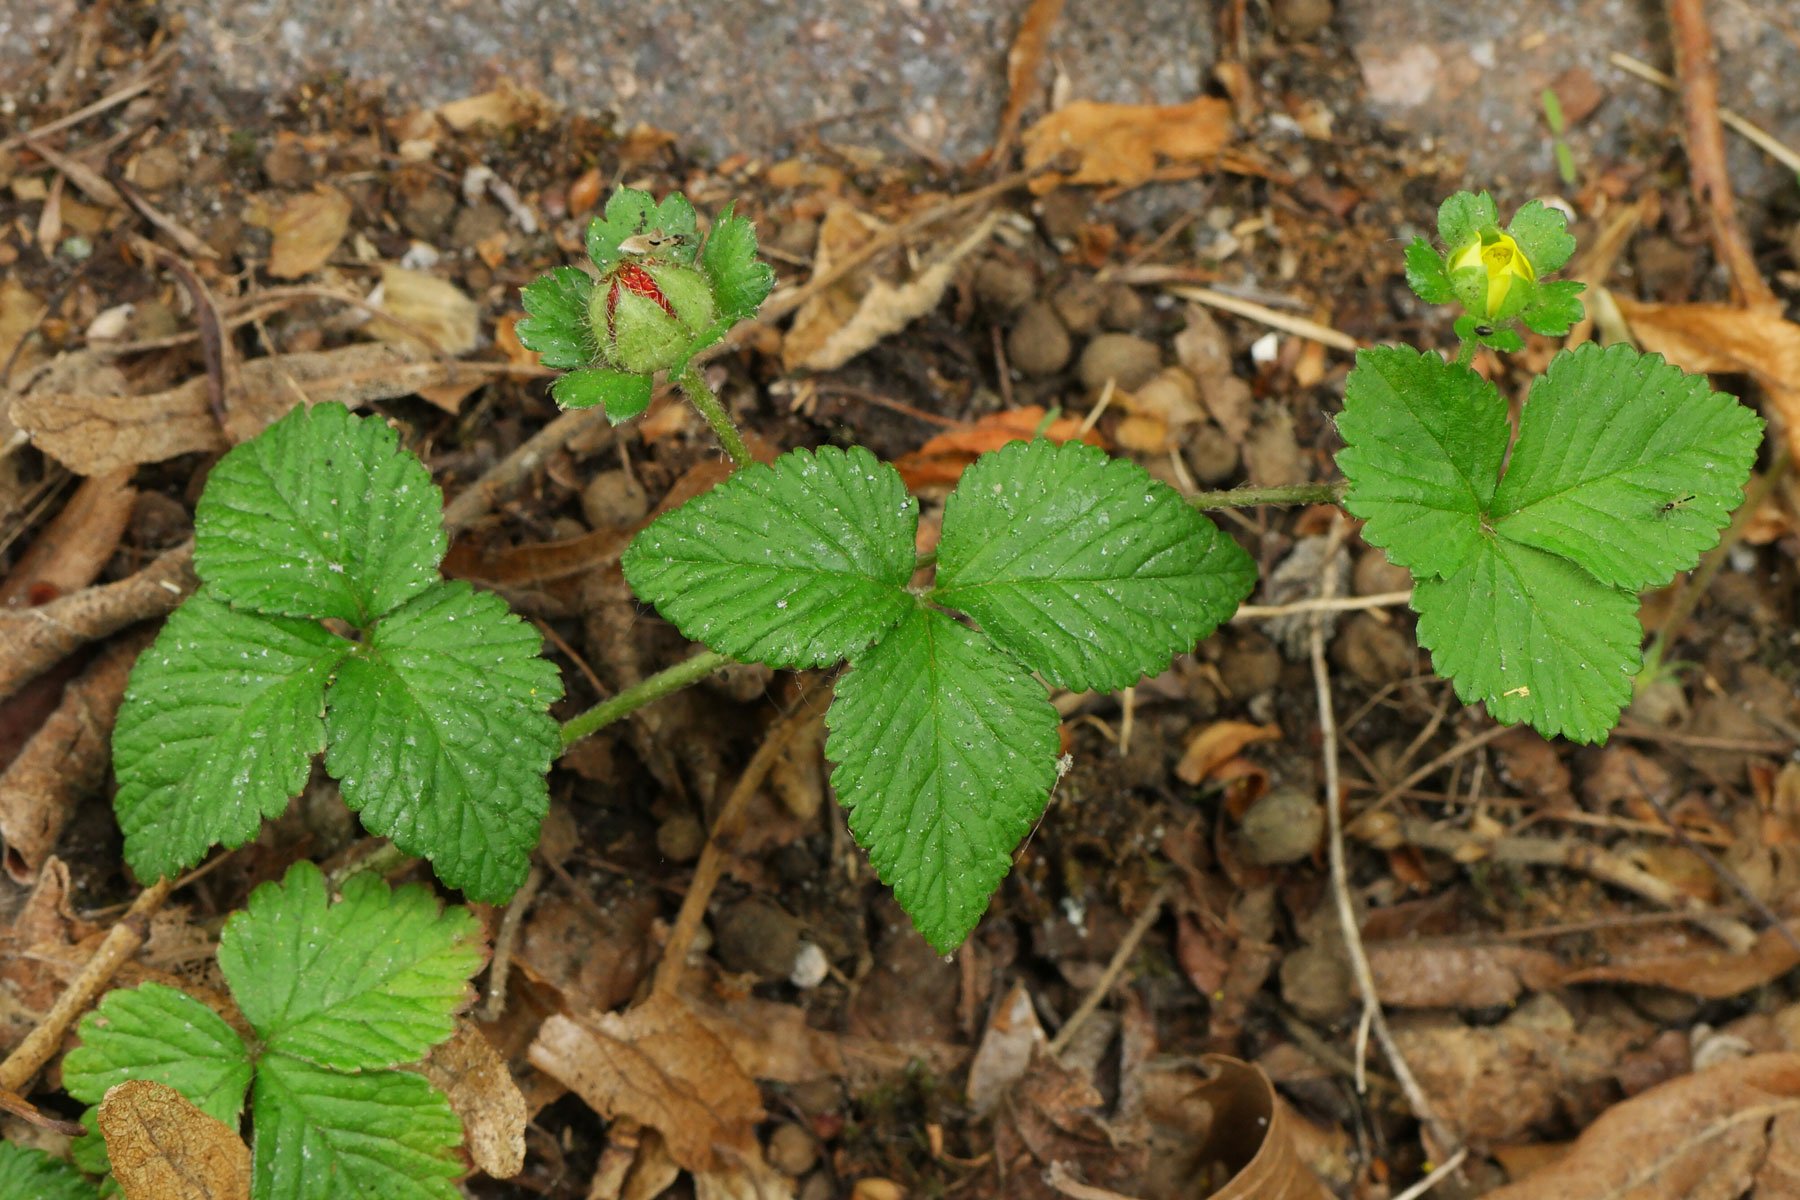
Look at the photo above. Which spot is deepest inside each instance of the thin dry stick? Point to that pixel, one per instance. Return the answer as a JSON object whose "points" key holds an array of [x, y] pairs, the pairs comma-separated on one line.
{"points": [[726, 826], [1437, 1176], [1127, 947], [1756, 135], [1436, 1130], [508, 933], [1467, 746], [121, 942], [1321, 604], [1707, 175], [1298, 326], [1063, 1180], [479, 498]]}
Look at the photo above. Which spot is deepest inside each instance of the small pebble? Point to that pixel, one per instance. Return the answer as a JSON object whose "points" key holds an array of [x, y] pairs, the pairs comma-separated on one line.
{"points": [[613, 500], [1002, 287], [1316, 983], [759, 937], [1374, 575], [792, 1150], [1038, 344], [680, 838], [1211, 455], [1283, 827], [158, 167], [1301, 20], [1080, 303], [1126, 359]]}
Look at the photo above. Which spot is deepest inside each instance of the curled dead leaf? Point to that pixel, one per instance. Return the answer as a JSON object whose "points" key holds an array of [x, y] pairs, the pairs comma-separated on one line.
{"points": [[1708, 970], [472, 1074], [1127, 144], [164, 1148], [941, 461], [1212, 746], [307, 229], [1729, 1131], [1231, 1126]]}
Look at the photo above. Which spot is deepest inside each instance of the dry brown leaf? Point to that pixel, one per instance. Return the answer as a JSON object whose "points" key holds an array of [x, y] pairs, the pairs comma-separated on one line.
{"points": [[941, 461], [1725, 338], [307, 229], [1023, 62], [507, 105], [1436, 975], [162, 1147], [421, 303], [469, 1071], [660, 1065], [1127, 144], [773, 1041], [1708, 970], [20, 312], [1012, 1037], [1214, 745], [884, 309], [95, 432], [1726, 1132]]}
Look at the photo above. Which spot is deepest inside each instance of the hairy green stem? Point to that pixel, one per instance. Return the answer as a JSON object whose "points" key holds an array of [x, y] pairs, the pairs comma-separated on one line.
{"points": [[1297, 493], [1465, 353], [700, 394], [633, 698]]}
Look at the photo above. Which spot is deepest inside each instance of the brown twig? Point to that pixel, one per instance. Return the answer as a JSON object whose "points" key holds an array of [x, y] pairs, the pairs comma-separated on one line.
{"points": [[215, 348], [479, 498], [1440, 1137], [508, 933], [1705, 137], [1121, 956], [121, 942], [726, 827]]}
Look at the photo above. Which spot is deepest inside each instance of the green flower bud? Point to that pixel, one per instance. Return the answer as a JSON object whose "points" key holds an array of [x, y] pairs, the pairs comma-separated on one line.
{"points": [[646, 315]]}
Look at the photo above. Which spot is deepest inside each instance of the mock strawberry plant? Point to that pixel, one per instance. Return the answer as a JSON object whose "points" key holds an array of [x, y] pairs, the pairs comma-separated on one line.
{"points": [[339, 997]]}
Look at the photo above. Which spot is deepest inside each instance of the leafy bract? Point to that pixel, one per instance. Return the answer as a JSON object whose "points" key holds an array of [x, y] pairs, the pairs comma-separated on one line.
{"points": [[371, 981], [1543, 234], [630, 212], [741, 281], [1609, 440], [1084, 567], [625, 395], [323, 1134], [157, 1033], [439, 734], [800, 564], [321, 515], [1425, 273], [221, 720], [556, 325], [27, 1174], [946, 752], [1623, 472], [1462, 217]]}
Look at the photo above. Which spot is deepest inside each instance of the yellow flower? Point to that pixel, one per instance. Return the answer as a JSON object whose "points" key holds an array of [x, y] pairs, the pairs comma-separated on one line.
{"points": [[1504, 262]]}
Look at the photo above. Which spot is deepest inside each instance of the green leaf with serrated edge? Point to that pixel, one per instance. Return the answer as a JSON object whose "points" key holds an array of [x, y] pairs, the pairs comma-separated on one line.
{"points": [[368, 982], [628, 212], [1463, 216], [157, 1033], [624, 395], [1426, 273], [1534, 638], [1498, 338], [27, 1174], [946, 752], [320, 515], [557, 325], [796, 565], [1423, 442], [1610, 437], [1543, 234], [1556, 309], [322, 1135], [221, 720], [676, 220], [741, 281], [1082, 566], [438, 735]]}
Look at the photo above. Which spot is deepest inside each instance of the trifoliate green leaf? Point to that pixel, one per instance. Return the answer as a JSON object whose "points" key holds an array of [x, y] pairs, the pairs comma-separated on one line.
{"points": [[1543, 234], [1608, 440], [557, 325], [1556, 307], [946, 752], [321, 1135], [741, 281], [157, 1033], [220, 723], [371, 981], [1463, 216], [624, 395], [27, 1174], [1426, 273], [439, 736], [321, 515], [1423, 443], [1082, 566], [1623, 472], [800, 564], [1534, 638]]}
